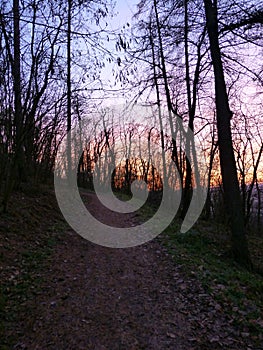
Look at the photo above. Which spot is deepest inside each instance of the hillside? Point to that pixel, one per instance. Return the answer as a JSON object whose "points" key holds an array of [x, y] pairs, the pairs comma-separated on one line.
{"points": [[59, 291]]}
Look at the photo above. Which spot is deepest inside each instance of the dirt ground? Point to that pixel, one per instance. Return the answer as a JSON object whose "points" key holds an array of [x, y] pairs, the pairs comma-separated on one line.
{"points": [[93, 297]]}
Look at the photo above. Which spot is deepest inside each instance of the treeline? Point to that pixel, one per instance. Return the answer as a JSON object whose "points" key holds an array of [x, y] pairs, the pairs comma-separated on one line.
{"points": [[194, 63], [41, 43]]}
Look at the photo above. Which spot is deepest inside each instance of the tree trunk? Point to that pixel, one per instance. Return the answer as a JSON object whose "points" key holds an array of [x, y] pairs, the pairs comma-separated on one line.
{"points": [[156, 83], [16, 168], [18, 117], [167, 94], [69, 151], [233, 203], [187, 192]]}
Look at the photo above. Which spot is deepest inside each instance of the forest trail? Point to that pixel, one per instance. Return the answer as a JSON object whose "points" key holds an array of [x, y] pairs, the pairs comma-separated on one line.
{"points": [[93, 297]]}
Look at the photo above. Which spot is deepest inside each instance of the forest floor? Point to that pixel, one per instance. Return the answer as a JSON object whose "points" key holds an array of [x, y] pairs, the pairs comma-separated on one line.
{"points": [[59, 291]]}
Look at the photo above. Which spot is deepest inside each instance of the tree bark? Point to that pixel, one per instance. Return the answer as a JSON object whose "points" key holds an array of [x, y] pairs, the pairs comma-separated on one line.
{"points": [[171, 111], [18, 117], [156, 83], [233, 203], [69, 152]]}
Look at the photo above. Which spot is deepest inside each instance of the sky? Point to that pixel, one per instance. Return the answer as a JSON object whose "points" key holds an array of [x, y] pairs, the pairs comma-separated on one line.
{"points": [[125, 9]]}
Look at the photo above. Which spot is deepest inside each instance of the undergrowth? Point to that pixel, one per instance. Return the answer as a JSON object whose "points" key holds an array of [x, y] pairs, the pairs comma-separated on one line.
{"points": [[28, 233]]}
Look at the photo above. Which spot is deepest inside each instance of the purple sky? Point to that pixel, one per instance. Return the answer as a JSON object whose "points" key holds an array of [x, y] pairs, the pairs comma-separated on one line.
{"points": [[125, 9]]}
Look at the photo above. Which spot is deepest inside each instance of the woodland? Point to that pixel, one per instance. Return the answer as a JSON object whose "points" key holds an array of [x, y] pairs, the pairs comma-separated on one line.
{"points": [[173, 97]]}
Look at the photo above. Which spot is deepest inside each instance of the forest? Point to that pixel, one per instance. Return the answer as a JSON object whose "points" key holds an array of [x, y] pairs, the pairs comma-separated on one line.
{"points": [[165, 107]]}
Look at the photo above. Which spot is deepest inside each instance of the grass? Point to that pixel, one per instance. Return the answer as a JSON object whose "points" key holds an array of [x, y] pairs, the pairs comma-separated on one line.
{"points": [[24, 250], [28, 233], [204, 251], [22, 285]]}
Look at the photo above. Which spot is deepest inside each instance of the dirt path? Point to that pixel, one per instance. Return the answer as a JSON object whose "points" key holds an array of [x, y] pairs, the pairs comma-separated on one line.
{"points": [[98, 298]]}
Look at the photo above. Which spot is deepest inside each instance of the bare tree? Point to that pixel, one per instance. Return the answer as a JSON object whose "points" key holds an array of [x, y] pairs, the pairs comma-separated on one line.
{"points": [[227, 159]]}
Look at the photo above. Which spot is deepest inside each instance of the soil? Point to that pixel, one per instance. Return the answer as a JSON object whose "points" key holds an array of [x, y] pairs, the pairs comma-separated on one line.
{"points": [[93, 297]]}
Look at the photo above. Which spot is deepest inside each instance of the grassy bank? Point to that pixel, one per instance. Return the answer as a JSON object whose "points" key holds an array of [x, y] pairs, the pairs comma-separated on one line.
{"points": [[28, 232]]}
